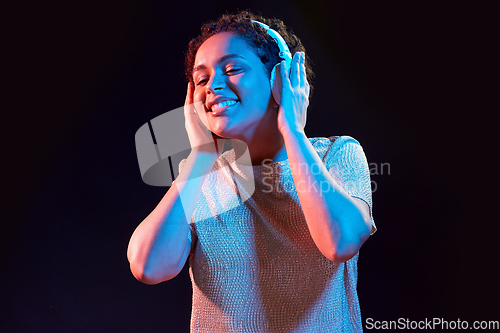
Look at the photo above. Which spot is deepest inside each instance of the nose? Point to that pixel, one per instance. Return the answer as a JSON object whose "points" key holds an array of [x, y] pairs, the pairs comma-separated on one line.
{"points": [[215, 83]]}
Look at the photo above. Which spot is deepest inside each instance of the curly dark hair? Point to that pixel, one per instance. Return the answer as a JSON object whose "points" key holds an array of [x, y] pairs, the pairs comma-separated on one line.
{"points": [[257, 38]]}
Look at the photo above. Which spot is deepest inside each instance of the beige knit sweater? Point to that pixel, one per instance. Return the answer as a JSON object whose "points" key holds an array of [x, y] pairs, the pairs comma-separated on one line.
{"points": [[254, 266]]}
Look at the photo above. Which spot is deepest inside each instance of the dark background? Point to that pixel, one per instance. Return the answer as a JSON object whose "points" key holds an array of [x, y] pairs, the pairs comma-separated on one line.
{"points": [[399, 76]]}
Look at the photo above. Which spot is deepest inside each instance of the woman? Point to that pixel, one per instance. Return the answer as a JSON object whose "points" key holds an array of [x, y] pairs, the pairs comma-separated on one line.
{"points": [[282, 256]]}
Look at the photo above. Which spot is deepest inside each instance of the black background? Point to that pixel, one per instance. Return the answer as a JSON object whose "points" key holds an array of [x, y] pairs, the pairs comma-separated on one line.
{"points": [[399, 76]]}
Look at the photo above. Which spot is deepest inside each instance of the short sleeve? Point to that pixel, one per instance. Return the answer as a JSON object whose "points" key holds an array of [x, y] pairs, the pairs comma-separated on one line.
{"points": [[346, 162]]}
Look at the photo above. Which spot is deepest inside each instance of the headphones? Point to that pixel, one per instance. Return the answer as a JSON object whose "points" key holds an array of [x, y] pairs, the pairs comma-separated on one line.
{"points": [[285, 54]]}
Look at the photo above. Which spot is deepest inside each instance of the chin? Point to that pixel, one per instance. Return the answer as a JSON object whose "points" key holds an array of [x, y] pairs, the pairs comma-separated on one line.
{"points": [[228, 130], [221, 131]]}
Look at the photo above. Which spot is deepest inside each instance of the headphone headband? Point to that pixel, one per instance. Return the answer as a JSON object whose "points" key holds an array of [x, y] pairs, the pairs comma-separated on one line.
{"points": [[284, 50]]}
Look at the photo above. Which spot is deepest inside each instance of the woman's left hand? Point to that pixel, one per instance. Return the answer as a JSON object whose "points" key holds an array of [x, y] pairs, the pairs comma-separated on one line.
{"points": [[292, 111]]}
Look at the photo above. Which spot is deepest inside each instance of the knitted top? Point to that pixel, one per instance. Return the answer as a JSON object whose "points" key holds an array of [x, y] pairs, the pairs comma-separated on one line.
{"points": [[254, 266]]}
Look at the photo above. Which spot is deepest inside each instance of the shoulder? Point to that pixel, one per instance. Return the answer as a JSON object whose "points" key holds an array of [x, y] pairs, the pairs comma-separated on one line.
{"points": [[330, 147], [335, 140]]}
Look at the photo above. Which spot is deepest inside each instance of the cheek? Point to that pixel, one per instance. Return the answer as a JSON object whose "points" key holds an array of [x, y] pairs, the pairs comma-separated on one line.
{"points": [[256, 89], [261, 93]]}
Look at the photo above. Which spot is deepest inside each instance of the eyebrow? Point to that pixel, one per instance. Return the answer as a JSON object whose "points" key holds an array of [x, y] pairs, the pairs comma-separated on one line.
{"points": [[224, 58]]}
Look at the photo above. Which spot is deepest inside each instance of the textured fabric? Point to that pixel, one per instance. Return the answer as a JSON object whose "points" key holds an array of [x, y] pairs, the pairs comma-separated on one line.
{"points": [[254, 266]]}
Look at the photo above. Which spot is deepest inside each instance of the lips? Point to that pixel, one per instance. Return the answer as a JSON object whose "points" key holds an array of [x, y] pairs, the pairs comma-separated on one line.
{"points": [[218, 100], [219, 105]]}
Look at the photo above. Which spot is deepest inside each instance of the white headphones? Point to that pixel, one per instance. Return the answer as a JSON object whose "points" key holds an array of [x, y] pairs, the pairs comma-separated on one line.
{"points": [[284, 54]]}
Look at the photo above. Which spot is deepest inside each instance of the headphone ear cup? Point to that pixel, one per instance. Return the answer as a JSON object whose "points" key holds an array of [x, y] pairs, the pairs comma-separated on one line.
{"points": [[276, 85]]}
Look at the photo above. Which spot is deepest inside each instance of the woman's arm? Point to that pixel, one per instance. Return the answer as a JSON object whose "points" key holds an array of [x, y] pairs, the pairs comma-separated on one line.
{"points": [[159, 246], [339, 224]]}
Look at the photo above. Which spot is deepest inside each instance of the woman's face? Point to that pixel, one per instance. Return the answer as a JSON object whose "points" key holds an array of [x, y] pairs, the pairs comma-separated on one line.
{"points": [[233, 85]]}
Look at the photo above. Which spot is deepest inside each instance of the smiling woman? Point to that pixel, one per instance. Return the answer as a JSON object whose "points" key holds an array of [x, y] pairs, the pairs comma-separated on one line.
{"points": [[233, 84], [280, 255]]}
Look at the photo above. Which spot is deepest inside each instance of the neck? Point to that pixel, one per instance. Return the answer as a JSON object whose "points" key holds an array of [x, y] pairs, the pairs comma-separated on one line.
{"points": [[263, 148], [264, 140]]}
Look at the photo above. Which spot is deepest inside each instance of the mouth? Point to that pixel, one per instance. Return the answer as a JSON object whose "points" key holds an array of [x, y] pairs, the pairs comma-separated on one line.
{"points": [[221, 107]]}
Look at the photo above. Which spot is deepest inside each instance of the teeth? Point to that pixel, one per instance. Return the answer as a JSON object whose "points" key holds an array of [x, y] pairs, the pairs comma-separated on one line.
{"points": [[222, 104]]}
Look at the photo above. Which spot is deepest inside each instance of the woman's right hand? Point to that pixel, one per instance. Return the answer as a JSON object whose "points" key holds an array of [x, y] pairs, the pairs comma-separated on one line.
{"points": [[200, 136]]}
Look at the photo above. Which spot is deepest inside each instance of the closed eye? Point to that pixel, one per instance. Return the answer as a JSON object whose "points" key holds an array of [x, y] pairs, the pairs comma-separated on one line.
{"points": [[232, 70], [200, 82], [229, 71]]}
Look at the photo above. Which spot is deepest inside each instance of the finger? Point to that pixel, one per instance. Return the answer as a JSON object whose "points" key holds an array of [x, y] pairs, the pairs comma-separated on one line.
{"points": [[285, 80], [303, 74], [189, 94], [194, 108], [305, 84], [295, 70], [188, 103]]}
